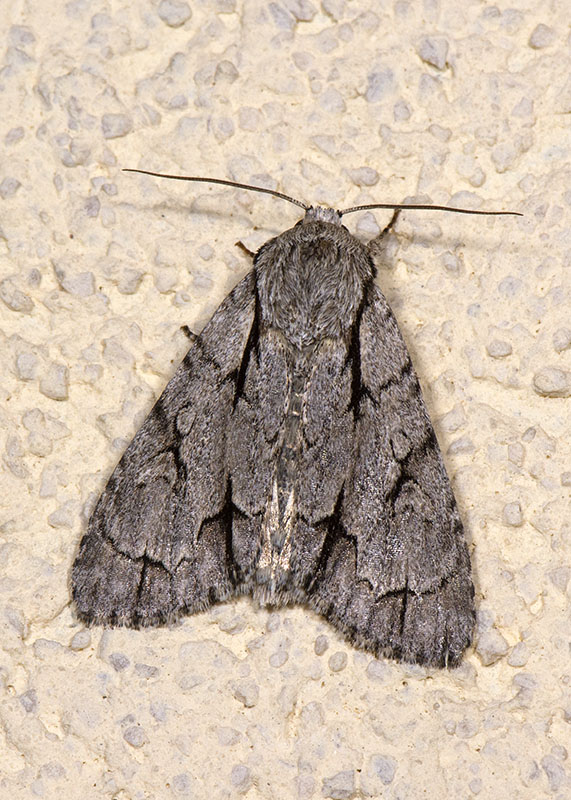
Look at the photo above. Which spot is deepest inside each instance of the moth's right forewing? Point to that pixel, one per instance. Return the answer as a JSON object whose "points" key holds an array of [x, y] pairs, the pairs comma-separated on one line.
{"points": [[395, 572]]}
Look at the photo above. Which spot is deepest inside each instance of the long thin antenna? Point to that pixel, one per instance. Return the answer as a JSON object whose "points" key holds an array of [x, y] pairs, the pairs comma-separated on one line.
{"points": [[393, 206], [423, 207], [222, 183]]}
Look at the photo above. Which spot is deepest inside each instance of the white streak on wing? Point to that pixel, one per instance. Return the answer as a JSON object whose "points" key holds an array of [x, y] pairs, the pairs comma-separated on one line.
{"points": [[275, 555], [283, 557], [270, 529]]}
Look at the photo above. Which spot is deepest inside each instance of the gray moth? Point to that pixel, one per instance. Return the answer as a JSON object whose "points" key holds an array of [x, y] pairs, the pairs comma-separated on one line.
{"points": [[290, 457]]}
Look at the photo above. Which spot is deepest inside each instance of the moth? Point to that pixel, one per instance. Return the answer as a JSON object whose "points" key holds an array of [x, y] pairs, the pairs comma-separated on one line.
{"points": [[291, 457]]}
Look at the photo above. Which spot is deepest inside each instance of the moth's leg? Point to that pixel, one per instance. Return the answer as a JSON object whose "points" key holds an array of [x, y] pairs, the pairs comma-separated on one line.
{"points": [[245, 249], [388, 228], [380, 247], [188, 333]]}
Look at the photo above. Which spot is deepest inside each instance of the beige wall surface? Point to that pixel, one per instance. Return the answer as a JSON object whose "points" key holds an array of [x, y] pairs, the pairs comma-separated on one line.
{"points": [[338, 102]]}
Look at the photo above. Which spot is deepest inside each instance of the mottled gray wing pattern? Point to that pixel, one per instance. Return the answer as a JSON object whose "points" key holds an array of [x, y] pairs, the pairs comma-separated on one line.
{"points": [[393, 572], [157, 544], [291, 456]]}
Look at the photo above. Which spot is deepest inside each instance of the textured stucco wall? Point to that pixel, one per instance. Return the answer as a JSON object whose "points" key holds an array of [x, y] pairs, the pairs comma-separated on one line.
{"points": [[338, 103]]}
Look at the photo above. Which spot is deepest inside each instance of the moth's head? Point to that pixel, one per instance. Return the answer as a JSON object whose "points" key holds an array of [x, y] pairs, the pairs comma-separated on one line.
{"points": [[319, 214]]}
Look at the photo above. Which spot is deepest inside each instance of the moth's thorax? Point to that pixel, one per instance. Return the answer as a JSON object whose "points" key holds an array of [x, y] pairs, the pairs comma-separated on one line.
{"points": [[311, 278], [320, 214]]}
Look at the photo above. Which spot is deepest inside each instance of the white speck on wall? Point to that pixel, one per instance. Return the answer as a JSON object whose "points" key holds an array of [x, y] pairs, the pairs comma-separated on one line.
{"points": [[338, 103]]}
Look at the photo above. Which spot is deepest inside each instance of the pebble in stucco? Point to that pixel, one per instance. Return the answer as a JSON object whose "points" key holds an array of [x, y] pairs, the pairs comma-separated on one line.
{"points": [[273, 622], [562, 339], [223, 128], [512, 514], [287, 700], [452, 263], [555, 772], [552, 382], [147, 671], [368, 226], [64, 516], [379, 773], [402, 111], [159, 710], [135, 736], [91, 206], [80, 640], [454, 420], [225, 73], [228, 736], [241, 778], [182, 785], [9, 187], [80, 285], [497, 348], [524, 685], [29, 701], [232, 624], [332, 100], [379, 84], [461, 445], [434, 51], [466, 728], [338, 661], [278, 659], [516, 453], [46, 649], [340, 786], [55, 382], [119, 662], [504, 156], [13, 457], [53, 476], [113, 126], [560, 577], [15, 298], [14, 135], [529, 435], [43, 431], [519, 655], [364, 176], [377, 671], [491, 646], [129, 280], [247, 692], [26, 366], [541, 36], [302, 10]]}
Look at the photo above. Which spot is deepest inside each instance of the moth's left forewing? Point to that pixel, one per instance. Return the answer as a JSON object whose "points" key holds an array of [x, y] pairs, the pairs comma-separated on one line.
{"points": [[156, 545]]}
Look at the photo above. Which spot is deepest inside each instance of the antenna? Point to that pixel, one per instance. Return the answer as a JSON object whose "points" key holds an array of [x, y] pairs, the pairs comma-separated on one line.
{"points": [[393, 206], [424, 206], [222, 183]]}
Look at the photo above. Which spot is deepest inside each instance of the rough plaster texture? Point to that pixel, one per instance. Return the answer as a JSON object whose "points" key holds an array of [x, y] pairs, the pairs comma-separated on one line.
{"points": [[340, 103]]}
